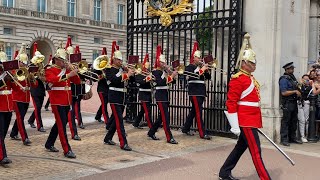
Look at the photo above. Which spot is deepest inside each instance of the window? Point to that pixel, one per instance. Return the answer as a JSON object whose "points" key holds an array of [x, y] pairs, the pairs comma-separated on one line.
{"points": [[95, 54], [97, 40], [9, 52], [72, 8], [8, 3], [42, 5], [73, 38], [120, 43], [8, 31], [97, 10], [120, 13]]}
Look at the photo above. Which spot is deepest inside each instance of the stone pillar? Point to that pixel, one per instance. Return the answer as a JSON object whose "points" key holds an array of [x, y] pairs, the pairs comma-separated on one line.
{"points": [[314, 31]]}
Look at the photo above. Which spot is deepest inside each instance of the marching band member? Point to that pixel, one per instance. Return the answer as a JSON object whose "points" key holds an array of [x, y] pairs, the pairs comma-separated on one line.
{"points": [[21, 98], [196, 92], [102, 89], [116, 96], [161, 83], [144, 84], [6, 108], [37, 94], [243, 104], [59, 77]]}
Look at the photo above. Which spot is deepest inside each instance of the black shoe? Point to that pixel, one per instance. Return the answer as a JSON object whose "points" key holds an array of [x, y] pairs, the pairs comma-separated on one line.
{"points": [[76, 137], [32, 125], [26, 142], [206, 137], [188, 133], [230, 177], [41, 129], [52, 149], [110, 142], [81, 126], [107, 127], [296, 141], [126, 147], [5, 161], [172, 141], [15, 138], [285, 143], [70, 154], [154, 137], [137, 127], [47, 109], [99, 120]]}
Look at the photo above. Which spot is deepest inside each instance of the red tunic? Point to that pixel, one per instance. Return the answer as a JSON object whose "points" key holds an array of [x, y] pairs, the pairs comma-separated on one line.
{"points": [[63, 96], [20, 95], [5, 96], [248, 116]]}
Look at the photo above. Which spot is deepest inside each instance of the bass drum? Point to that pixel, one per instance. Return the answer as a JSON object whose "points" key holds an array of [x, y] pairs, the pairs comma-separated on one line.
{"points": [[88, 92]]}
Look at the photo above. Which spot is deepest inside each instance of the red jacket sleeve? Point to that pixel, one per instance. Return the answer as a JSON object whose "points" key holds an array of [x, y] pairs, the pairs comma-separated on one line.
{"points": [[51, 77], [75, 79], [234, 93]]}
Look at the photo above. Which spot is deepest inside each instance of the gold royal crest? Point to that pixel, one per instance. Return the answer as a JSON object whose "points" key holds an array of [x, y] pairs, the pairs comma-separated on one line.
{"points": [[166, 8]]}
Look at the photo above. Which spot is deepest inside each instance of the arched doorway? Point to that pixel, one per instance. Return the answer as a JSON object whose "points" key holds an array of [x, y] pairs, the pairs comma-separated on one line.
{"points": [[45, 47]]}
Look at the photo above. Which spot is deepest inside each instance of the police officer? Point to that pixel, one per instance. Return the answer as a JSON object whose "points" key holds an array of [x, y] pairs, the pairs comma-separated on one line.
{"points": [[244, 114], [59, 76], [161, 84], [144, 83], [6, 108], [196, 92], [117, 88], [289, 95]]}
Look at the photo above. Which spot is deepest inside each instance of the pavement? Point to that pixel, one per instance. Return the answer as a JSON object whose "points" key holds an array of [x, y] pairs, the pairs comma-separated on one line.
{"points": [[192, 158]]}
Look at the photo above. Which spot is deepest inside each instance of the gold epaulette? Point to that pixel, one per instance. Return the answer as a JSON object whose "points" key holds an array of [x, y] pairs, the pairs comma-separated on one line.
{"points": [[236, 75]]}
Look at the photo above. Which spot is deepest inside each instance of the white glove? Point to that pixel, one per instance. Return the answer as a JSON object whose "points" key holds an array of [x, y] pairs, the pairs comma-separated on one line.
{"points": [[234, 122]]}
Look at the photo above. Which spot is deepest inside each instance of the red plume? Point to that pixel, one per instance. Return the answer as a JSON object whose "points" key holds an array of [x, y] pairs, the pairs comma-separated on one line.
{"points": [[104, 51], [146, 59], [113, 49], [35, 48], [16, 54], [77, 50], [157, 63], [195, 48], [69, 43]]}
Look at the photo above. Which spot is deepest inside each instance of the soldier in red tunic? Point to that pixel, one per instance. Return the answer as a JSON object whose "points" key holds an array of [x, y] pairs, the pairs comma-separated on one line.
{"points": [[6, 108], [58, 77], [244, 114], [21, 97]]}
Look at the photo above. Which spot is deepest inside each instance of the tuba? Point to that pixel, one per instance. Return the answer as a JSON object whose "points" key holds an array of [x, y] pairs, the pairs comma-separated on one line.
{"points": [[101, 62]]}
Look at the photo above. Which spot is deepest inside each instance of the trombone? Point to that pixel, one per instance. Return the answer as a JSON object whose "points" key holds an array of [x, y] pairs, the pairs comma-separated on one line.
{"points": [[139, 70], [83, 68], [213, 66], [20, 75], [181, 70]]}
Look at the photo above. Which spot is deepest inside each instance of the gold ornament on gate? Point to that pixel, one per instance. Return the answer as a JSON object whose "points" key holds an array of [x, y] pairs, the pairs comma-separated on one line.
{"points": [[167, 8]]}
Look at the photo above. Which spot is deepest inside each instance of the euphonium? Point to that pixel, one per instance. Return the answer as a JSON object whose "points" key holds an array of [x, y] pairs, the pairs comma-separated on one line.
{"points": [[101, 63]]}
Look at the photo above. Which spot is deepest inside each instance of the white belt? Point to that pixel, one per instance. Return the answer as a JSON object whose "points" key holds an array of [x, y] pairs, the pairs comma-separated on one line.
{"points": [[247, 103], [5, 92], [145, 90], [118, 89], [27, 88], [196, 81], [162, 87], [60, 88]]}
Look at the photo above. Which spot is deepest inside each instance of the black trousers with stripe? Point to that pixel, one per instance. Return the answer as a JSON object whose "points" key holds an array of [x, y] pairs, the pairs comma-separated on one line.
{"points": [[47, 104], [196, 112], [74, 112], [21, 109], [103, 109], [117, 125], [59, 128], [5, 118], [162, 118], [248, 138], [145, 109], [36, 114]]}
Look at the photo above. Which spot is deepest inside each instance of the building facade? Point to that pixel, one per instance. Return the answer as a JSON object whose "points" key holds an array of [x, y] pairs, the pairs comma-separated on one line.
{"points": [[92, 24]]}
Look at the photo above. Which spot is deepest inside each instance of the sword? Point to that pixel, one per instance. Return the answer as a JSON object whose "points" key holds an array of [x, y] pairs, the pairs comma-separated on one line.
{"points": [[279, 149]]}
